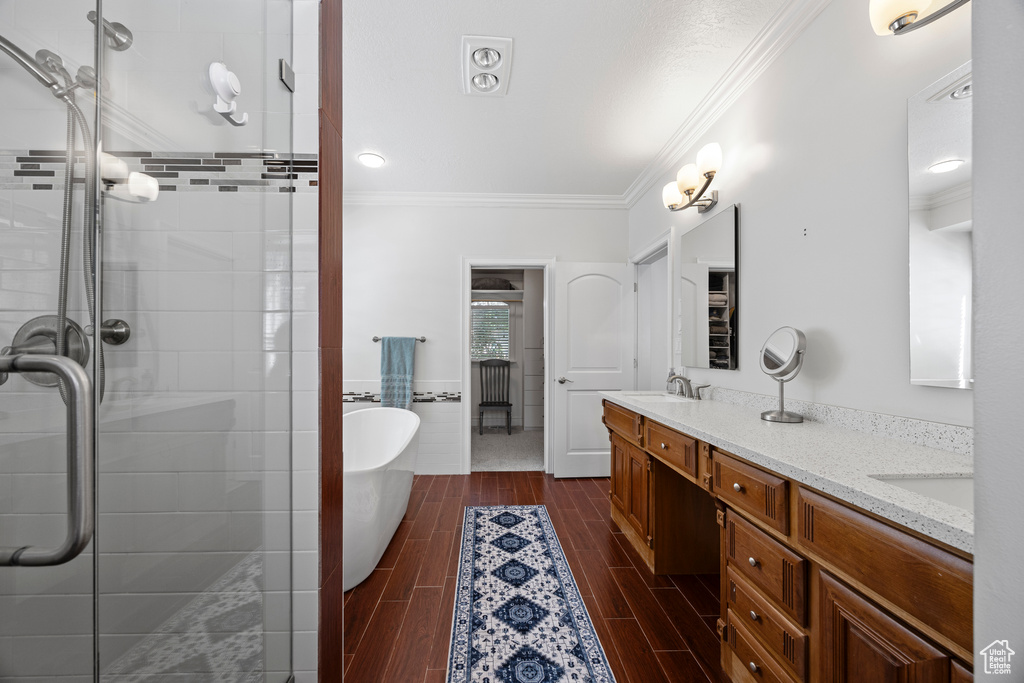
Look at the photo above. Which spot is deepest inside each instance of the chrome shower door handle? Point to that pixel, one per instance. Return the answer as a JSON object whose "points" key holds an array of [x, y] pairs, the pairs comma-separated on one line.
{"points": [[81, 461]]}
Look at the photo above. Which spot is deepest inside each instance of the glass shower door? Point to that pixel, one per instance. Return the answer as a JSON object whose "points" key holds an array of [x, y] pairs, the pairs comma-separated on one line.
{"points": [[188, 576], [46, 612], [194, 467]]}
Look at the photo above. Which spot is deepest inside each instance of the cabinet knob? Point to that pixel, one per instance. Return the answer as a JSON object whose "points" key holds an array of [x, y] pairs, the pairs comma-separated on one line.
{"points": [[753, 615], [737, 488], [752, 561], [664, 447], [753, 667]]}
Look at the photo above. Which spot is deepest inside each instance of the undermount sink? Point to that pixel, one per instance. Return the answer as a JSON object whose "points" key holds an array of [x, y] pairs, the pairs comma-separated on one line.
{"points": [[958, 491], [654, 397]]}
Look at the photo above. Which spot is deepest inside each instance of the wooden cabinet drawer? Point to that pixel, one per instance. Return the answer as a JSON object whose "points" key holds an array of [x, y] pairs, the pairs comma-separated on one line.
{"points": [[777, 571], [932, 585], [673, 448], [761, 494], [625, 422], [783, 638], [754, 658]]}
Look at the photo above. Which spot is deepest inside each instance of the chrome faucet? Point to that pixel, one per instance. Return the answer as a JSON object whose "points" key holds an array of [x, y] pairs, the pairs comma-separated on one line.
{"points": [[684, 387]]}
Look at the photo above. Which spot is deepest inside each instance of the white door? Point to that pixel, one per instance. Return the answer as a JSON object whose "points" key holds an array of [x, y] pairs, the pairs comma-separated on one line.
{"points": [[593, 351], [692, 322]]}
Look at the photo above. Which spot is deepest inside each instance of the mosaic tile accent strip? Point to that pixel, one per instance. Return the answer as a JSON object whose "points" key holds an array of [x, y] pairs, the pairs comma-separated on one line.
{"points": [[43, 169], [417, 397], [218, 636], [938, 435], [519, 617]]}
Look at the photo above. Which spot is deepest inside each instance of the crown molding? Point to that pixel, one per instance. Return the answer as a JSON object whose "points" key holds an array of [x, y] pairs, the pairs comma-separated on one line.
{"points": [[952, 195], [788, 23], [472, 200]]}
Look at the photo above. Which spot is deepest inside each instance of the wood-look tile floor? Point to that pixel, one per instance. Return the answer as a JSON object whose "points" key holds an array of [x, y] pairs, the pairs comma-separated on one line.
{"points": [[653, 628]]}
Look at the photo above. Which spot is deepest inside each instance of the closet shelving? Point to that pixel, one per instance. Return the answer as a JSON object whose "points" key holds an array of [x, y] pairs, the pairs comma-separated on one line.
{"points": [[721, 331]]}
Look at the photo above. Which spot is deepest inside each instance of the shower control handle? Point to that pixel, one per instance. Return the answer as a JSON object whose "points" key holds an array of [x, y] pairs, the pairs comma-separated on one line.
{"points": [[80, 455]]}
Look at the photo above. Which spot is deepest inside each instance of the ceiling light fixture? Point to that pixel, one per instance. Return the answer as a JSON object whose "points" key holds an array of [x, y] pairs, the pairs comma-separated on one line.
{"points": [[371, 160], [486, 64], [485, 82], [689, 182], [946, 166], [901, 16]]}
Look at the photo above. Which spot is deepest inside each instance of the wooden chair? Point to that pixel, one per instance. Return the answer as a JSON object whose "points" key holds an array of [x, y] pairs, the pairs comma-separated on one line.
{"points": [[494, 390]]}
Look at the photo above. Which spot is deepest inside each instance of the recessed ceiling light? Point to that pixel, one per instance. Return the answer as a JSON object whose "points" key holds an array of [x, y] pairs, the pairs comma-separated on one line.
{"points": [[371, 160], [963, 92], [485, 82], [946, 166], [486, 58]]}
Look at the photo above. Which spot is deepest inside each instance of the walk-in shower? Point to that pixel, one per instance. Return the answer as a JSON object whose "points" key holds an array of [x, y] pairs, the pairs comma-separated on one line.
{"points": [[145, 491]]}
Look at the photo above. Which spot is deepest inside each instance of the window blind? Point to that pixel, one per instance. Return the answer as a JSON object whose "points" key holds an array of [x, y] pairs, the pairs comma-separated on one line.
{"points": [[489, 330]]}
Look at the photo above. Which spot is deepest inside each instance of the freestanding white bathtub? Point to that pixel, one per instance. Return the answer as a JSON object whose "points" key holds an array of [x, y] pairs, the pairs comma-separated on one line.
{"points": [[380, 447]]}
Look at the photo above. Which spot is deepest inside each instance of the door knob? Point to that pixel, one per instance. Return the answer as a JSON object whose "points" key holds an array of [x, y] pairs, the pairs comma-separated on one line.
{"points": [[563, 380]]}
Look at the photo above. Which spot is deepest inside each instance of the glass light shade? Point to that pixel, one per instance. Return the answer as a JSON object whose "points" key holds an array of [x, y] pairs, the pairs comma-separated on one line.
{"points": [[671, 196], [709, 159], [883, 12], [687, 179]]}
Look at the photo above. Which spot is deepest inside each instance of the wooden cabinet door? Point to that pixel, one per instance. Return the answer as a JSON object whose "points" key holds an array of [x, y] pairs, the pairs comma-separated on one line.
{"points": [[860, 643], [638, 500], [620, 473]]}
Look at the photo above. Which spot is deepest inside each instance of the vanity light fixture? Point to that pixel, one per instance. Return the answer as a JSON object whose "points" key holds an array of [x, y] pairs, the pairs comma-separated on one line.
{"points": [[901, 16], [371, 160], [946, 166], [693, 180]]}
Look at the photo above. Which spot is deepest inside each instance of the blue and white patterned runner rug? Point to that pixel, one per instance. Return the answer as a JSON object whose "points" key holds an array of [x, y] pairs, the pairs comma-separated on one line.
{"points": [[518, 616]]}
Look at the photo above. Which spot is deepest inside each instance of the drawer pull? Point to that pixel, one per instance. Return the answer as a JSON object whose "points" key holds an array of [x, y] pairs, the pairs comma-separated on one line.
{"points": [[752, 561], [753, 667], [664, 447], [737, 488], [753, 615]]}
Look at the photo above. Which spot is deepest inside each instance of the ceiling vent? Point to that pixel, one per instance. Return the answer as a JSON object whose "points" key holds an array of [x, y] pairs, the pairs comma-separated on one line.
{"points": [[486, 65]]}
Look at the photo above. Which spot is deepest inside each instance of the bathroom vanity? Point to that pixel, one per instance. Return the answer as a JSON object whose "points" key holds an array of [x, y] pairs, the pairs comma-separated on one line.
{"points": [[832, 569]]}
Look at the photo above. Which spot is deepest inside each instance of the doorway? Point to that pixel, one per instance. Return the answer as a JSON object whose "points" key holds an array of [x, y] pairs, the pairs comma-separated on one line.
{"points": [[653, 313], [505, 318]]}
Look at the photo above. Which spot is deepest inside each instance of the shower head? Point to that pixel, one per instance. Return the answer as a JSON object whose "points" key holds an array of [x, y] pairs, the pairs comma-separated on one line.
{"points": [[29, 64]]}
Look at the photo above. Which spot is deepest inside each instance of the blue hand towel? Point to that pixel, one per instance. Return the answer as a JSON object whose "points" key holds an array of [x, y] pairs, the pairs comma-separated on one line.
{"points": [[396, 362]]}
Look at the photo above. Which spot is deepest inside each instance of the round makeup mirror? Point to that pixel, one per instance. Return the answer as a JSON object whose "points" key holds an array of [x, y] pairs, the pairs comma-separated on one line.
{"points": [[781, 358]]}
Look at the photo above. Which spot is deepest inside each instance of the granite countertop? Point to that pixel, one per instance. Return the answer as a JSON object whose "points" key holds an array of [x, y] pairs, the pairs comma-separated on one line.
{"points": [[837, 461]]}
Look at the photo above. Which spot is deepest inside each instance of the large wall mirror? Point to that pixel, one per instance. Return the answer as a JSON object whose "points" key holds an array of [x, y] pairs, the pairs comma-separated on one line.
{"points": [[704, 296], [939, 155]]}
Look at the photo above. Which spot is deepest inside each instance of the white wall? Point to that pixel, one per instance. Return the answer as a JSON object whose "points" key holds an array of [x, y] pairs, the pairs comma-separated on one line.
{"points": [[815, 155], [403, 276], [999, 322]]}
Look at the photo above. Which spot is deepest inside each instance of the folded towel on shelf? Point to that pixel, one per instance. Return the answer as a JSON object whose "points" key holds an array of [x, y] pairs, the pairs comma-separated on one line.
{"points": [[718, 329], [718, 299], [396, 367]]}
